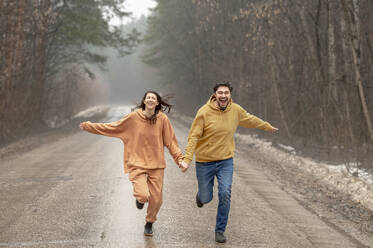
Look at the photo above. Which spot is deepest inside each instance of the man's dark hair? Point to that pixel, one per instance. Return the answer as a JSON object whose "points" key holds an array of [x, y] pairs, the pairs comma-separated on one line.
{"points": [[226, 84]]}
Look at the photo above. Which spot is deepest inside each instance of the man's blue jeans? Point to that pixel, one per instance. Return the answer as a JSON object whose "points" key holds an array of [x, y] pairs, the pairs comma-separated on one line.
{"points": [[206, 172]]}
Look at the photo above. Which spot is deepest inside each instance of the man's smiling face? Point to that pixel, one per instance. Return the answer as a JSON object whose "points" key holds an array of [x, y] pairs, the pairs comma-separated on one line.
{"points": [[223, 96]]}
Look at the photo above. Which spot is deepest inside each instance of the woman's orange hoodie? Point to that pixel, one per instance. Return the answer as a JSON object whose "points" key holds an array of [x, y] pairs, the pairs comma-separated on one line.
{"points": [[144, 142]]}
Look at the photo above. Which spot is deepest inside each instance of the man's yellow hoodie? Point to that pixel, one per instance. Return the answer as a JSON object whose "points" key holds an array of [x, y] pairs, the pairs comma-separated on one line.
{"points": [[211, 136]]}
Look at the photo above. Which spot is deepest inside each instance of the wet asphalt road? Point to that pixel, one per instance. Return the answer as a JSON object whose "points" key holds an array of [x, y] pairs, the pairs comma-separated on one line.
{"points": [[73, 193]]}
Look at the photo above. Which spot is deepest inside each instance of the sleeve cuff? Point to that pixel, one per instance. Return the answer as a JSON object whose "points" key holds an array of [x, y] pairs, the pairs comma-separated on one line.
{"points": [[187, 160]]}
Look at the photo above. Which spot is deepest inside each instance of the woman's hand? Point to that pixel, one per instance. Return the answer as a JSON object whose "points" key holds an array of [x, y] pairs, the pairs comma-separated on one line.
{"points": [[82, 126], [183, 166]]}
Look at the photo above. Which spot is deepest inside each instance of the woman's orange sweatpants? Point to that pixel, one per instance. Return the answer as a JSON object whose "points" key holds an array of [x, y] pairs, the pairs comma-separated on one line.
{"points": [[147, 187]]}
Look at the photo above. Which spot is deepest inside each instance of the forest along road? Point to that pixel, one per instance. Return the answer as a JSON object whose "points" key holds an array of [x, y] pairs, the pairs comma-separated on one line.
{"points": [[72, 192]]}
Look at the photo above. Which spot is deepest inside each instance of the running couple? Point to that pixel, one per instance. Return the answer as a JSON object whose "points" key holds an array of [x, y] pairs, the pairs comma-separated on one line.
{"points": [[146, 131]]}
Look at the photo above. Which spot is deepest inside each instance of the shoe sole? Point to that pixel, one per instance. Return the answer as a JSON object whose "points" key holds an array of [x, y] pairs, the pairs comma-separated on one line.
{"points": [[148, 234], [198, 202], [140, 205], [220, 241]]}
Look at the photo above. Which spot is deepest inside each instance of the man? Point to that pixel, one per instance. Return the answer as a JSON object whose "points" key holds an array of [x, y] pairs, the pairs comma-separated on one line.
{"points": [[211, 138]]}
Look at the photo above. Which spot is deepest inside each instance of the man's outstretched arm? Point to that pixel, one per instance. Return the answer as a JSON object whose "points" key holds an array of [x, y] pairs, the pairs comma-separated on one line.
{"points": [[251, 121]]}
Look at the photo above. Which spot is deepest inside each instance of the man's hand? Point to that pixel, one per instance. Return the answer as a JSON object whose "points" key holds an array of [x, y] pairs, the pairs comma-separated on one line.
{"points": [[183, 166], [82, 126], [273, 130]]}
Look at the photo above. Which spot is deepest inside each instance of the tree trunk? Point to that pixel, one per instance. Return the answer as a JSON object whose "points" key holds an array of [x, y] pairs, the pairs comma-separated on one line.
{"points": [[332, 65], [319, 75], [346, 79], [356, 54]]}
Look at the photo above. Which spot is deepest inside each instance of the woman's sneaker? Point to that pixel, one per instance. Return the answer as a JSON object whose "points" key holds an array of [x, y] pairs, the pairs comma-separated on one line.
{"points": [[148, 230], [139, 205]]}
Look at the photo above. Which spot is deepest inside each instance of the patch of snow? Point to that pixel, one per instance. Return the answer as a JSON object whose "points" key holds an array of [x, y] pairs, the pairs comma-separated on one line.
{"points": [[89, 112], [352, 169], [288, 148], [117, 112], [359, 187], [252, 140]]}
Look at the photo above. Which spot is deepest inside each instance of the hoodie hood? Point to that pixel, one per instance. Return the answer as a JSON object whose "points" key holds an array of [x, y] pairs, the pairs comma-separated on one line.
{"points": [[212, 104], [143, 117]]}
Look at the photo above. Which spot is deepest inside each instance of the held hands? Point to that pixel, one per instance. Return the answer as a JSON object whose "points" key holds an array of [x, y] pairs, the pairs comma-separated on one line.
{"points": [[183, 166]]}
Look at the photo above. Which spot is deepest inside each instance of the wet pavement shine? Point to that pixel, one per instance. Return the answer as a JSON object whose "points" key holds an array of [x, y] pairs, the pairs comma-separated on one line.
{"points": [[73, 193]]}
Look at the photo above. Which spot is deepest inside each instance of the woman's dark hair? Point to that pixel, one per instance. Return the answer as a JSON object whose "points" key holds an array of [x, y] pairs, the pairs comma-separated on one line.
{"points": [[226, 84], [163, 105]]}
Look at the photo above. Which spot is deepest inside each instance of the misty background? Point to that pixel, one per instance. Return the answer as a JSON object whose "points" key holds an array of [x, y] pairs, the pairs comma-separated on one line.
{"points": [[128, 78], [304, 66]]}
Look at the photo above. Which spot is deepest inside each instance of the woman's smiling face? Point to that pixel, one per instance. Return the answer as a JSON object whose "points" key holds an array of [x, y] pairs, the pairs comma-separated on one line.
{"points": [[150, 101]]}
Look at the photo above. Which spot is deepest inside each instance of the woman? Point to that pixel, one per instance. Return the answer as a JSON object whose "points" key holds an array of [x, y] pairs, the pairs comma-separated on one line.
{"points": [[145, 132]]}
